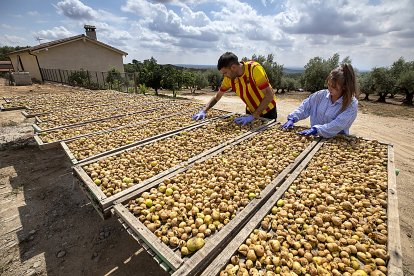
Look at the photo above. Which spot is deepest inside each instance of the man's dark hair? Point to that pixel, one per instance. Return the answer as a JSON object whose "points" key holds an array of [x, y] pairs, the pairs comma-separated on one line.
{"points": [[226, 60]]}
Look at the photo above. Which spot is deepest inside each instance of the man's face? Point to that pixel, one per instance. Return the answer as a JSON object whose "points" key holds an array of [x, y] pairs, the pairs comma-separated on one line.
{"points": [[229, 72]]}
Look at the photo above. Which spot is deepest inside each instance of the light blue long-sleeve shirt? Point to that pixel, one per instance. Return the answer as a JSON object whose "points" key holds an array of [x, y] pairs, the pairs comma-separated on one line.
{"points": [[326, 116]]}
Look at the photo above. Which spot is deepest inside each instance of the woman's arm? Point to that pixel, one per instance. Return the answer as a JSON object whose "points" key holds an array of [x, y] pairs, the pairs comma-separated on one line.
{"points": [[305, 108], [343, 121]]}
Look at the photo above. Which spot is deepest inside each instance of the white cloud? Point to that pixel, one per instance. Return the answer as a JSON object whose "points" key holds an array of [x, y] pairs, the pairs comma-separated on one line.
{"points": [[199, 31], [6, 26], [55, 33], [76, 10], [266, 2], [12, 40], [112, 35], [33, 13]]}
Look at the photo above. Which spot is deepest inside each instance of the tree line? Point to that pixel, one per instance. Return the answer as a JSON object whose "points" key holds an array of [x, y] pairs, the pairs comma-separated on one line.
{"points": [[154, 75], [382, 81]]}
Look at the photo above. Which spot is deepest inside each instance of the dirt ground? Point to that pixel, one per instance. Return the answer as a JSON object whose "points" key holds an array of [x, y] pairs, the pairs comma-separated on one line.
{"points": [[48, 227]]}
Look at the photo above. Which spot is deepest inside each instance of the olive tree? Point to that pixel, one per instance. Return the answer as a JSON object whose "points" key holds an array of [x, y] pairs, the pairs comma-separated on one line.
{"points": [[366, 84], [172, 78], [151, 74], [383, 83], [406, 83], [214, 79], [402, 72], [274, 71], [189, 80], [201, 80], [317, 69]]}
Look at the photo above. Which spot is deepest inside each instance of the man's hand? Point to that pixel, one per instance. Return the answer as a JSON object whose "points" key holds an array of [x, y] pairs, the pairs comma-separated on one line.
{"points": [[200, 115], [243, 120], [288, 124], [308, 132]]}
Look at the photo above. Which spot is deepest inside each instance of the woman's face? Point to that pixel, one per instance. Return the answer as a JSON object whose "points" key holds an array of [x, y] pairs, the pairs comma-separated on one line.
{"points": [[334, 90]]}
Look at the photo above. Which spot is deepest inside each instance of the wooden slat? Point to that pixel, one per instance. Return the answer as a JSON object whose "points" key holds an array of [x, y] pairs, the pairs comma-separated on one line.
{"points": [[198, 262], [68, 152], [84, 177], [11, 108], [395, 266], [221, 260], [36, 128], [28, 115], [44, 146], [167, 255], [94, 202]]}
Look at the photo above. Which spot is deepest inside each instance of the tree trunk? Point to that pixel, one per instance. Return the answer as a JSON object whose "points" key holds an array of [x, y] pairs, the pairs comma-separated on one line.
{"points": [[382, 97], [283, 91], [366, 97], [391, 96], [408, 98], [156, 91]]}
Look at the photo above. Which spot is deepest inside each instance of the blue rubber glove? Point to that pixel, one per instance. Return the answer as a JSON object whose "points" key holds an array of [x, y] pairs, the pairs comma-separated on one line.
{"points": [[288, 124], [308, 132], [200, 115], [243, 120]]}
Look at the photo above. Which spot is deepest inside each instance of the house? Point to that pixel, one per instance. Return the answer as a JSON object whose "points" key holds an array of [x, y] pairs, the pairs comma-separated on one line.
{"points": [[72, 53]]}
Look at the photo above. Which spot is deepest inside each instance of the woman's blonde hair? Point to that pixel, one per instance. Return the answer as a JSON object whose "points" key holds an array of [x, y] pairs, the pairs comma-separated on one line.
{"points": [[343, 77]]}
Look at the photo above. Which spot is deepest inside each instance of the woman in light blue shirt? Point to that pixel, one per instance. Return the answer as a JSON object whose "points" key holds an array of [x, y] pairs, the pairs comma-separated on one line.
{"points": [[332, 111]]}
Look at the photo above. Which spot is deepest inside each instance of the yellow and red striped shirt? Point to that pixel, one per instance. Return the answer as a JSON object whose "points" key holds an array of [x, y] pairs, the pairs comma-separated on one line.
{"points": [[249, 86]]}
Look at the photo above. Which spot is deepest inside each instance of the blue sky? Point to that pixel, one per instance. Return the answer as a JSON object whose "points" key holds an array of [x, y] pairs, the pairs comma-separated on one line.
{"points": [[372, 33]]}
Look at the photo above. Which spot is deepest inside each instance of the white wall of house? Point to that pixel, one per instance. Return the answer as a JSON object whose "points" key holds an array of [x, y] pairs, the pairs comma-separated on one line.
{"points": [[73, 55], [29, 64], [80, 54]]}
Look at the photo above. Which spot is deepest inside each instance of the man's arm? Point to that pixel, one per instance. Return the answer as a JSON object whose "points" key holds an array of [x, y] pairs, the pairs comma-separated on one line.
{"points": [[268, 97], [214, 100]]}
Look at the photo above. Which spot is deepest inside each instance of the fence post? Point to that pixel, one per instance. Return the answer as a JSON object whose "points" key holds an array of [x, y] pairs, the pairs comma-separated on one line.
{"points": [[135, 83], [127, 82], [103, 80], [89, 79], [61, 80], [54, 75]]}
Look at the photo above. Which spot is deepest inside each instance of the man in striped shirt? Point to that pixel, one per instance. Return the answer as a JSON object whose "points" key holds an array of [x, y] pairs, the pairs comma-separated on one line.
{"points": [[249, 81]]}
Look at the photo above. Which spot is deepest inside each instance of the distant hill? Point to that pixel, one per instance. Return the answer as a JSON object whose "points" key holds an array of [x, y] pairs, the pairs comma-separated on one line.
{"points": [[196, 66], [293, 70]]}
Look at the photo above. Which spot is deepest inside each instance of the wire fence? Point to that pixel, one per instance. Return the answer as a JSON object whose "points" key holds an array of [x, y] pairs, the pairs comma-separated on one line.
{"points": [[124, 82]]}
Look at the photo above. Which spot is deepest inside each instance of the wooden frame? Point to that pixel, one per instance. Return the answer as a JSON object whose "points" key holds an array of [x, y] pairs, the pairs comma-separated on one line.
{"points": [[395, 266], [104, 203], [195, 263], [27, 115], [2, 108]]}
